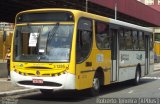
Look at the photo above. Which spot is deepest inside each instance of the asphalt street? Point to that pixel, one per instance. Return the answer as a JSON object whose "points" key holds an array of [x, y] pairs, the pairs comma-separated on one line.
{"points": [[149, 88]]}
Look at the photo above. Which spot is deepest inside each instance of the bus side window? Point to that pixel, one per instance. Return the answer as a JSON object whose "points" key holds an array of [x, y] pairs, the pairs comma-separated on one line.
{"points": [[84, 39], [103, 38], [122, 39], [141, 40], [135, 40], [128, 39]]}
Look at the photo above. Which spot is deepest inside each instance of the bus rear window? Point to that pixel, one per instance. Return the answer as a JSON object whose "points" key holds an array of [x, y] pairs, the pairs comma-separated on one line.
{"points": [[45, 17]]}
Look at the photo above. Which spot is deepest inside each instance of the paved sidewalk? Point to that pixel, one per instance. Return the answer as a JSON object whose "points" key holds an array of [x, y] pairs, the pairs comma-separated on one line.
{"points": [[3, 61], [7, 88], [3, 68], [156, 66]]}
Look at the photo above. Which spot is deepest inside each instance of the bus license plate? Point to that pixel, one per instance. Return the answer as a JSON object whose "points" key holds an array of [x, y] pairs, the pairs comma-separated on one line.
{"points": [[38, 81]]}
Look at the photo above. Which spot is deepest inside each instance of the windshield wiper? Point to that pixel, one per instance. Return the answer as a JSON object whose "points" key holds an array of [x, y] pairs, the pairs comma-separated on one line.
{"points": [[52, 33]]}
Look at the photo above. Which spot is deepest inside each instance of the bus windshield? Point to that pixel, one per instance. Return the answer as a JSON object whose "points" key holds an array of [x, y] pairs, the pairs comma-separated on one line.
{"points": [[43, 43]]}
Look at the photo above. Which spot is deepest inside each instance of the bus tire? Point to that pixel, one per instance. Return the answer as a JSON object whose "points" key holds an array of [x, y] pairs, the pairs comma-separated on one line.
{"points": [[46, 92], [136, 80], [94, 91]]}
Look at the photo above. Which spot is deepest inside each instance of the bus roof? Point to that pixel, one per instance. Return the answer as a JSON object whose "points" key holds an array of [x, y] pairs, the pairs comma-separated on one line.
{"points": [[94, 16], [117, 22]]}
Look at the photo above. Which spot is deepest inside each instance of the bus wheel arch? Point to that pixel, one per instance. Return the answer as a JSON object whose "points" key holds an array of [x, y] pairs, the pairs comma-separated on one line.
{"points": [[100, 73]]}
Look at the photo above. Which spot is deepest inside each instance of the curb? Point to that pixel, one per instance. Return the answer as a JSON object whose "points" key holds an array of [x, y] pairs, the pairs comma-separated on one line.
{"points": [[17, 92], [156, 70]]}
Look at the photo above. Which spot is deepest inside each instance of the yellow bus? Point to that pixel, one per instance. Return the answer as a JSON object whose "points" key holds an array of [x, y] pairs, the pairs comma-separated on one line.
{"points": [[157, 46], [66, 49]]}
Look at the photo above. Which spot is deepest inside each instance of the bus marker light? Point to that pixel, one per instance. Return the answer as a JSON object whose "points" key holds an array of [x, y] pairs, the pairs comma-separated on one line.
{"points": [[15, 70], [20, 72], [21, 65], [67, 68], [24, 74], [59, 74]]}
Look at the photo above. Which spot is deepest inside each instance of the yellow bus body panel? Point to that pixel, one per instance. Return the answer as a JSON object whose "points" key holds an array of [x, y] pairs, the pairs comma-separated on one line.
{"points": [[85, 74]]}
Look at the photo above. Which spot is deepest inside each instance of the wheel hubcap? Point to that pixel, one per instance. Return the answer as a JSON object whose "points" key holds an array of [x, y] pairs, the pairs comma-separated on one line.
{"points": [[96, 83], [138, 76]]}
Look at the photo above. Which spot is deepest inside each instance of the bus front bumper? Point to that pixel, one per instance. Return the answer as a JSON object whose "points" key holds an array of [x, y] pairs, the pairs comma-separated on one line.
{"points": [[64, 81]]}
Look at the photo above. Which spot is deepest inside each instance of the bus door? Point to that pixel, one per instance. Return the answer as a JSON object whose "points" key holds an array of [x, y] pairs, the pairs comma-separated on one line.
{"points": [[147, 54], [114, 55]]}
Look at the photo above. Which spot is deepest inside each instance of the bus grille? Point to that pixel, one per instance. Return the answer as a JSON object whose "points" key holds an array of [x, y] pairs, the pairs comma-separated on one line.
{"points": [[40, 84], [45, 75]]}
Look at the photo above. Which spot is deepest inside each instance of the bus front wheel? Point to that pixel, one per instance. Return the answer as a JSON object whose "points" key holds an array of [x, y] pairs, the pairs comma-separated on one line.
{"points": [[94, 91]]}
